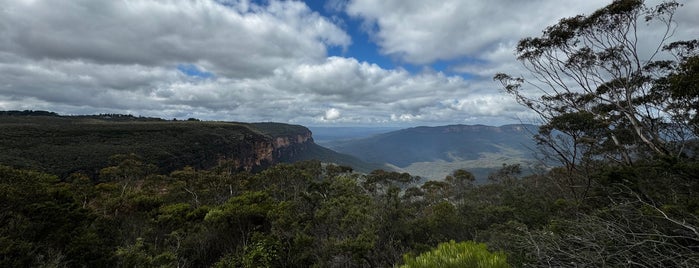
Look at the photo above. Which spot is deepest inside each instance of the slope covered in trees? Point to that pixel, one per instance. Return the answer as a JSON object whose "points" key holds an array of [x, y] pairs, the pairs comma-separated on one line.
{"points": [[65, 144], [299, 215]]}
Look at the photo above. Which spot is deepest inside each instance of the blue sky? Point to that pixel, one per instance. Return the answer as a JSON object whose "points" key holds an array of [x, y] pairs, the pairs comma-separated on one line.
{"points": [[363, 48], [317, 63]]}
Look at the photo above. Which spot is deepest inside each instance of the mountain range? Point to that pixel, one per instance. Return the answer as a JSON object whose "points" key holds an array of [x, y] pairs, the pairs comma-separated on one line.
{"points": [[434, 152]]}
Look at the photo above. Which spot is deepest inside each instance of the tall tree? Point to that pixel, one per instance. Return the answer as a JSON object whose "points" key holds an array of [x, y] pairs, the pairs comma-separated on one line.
{"points": [[618, 105], [598, 75]]}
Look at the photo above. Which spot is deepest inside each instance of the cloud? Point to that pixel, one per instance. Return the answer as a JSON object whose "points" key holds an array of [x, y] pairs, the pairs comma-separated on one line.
{"points": [[422, 32], [151, 56], [331, 114], [688, 20], [478, 38], [364, 92], [237, 60], [238, 40]]}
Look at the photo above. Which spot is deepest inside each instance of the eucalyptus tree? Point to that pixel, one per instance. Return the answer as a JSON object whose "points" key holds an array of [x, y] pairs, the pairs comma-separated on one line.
{"points": [[618, 101], [599, 76]]}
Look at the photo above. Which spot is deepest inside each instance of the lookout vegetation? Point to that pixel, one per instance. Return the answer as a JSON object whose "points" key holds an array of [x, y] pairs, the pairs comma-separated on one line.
{"points": [[618, 113]]}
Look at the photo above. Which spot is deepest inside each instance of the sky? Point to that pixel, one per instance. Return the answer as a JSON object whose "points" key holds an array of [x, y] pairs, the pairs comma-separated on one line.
{"points": [[315, 63]]}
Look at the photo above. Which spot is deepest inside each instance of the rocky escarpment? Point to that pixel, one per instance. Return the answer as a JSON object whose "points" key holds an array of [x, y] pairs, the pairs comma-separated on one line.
{"points": [[66, 144], [289, 147], [285, 143], [276, 148]]}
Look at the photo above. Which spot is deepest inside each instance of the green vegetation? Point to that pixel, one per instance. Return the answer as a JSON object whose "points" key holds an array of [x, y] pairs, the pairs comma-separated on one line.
{"points": [[624, 194], [62, 145], [458, 255], [296, 215], [289, 215], [619, 115]]}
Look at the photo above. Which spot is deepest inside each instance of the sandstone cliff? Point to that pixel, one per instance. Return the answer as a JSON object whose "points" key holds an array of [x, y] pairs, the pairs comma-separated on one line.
{"points": [[275, 147], [66, 144]]}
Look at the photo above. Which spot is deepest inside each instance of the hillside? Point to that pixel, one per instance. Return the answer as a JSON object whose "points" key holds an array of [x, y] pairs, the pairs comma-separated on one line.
{"points": [[328, 135], [66, 144], [436, 151]]}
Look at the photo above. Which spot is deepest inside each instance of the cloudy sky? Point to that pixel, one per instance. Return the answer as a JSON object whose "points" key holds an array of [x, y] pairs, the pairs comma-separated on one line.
{"points": [[316, 63]]}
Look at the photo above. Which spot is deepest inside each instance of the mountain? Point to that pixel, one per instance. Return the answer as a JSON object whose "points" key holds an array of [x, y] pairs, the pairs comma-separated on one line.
{"points": [[65, 144], [434, 152], [328, 135]]}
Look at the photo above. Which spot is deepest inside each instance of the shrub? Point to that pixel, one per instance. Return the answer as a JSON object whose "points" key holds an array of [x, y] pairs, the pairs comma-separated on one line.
{"points": [[452, 254]]}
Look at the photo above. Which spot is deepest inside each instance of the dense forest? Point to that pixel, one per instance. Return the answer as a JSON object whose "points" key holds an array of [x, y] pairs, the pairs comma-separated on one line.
{"points": [[290, 215], [622, 124]]}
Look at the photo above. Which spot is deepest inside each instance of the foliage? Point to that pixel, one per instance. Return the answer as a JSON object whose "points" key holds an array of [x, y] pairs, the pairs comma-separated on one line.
{"points": [[452, 254], [621, 120], [42, 224], [307, 214], [601, 86], [299, 215]]}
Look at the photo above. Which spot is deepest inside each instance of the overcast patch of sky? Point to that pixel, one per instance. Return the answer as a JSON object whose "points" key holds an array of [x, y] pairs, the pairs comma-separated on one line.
{"points": [[338, 62]]}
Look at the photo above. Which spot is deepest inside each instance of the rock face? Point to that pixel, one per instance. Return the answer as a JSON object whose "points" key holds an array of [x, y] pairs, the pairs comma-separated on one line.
{"points": [[288, 147], [274, 150]]}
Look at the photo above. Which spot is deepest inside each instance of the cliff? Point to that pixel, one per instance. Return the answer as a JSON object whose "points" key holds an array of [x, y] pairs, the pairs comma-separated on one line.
{"points": [[282, 143], [66, 144]]}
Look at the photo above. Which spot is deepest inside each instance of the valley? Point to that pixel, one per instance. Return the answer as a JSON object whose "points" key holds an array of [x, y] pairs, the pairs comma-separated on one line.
{"points": [[435, 152]]}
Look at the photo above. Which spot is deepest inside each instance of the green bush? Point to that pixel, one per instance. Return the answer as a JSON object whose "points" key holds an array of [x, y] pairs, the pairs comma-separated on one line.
{"points": [[452, 254]]}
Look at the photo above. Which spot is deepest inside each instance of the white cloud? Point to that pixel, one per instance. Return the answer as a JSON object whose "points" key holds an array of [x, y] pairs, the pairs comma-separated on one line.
{"points": [[357, 92], [331, 114], [268, 62], [240, 40], [479, 37], [422, 32], [405, 117]]}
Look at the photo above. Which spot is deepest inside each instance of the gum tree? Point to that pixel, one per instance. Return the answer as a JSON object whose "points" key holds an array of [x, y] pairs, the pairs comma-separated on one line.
{"points": [[598, 77], [618, 104]]}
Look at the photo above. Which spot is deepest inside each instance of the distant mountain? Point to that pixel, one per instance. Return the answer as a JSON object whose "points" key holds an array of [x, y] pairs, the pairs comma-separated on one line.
{"points": [[65, 144], [436, 151], [328, 135]]}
